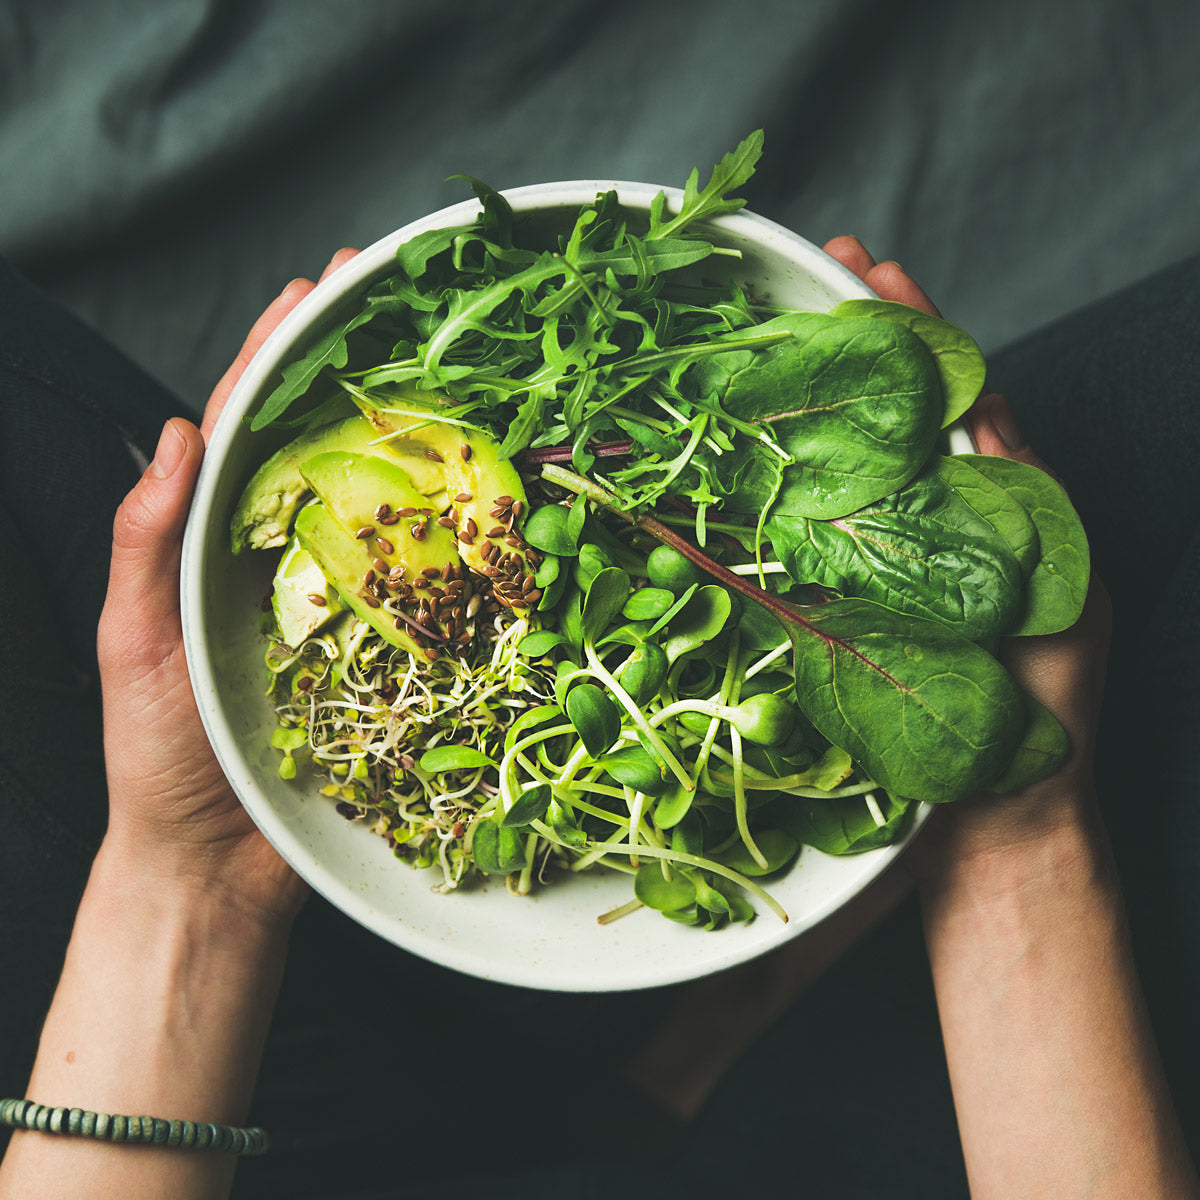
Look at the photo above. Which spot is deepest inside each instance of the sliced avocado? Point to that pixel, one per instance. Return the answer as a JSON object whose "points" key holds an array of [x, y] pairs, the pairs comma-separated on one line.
{"points": [[340, 558], [355, 487], [467, 464], [263, 517], [303, 599], [488, 503], [268, 503], [420, 448]]}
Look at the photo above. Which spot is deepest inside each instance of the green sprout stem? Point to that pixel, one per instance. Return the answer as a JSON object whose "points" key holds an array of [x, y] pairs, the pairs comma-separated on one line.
{"points": [[639, 718]]}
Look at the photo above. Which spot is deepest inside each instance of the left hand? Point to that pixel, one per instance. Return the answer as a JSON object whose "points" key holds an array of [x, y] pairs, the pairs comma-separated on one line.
{"points": [[172, 812]]}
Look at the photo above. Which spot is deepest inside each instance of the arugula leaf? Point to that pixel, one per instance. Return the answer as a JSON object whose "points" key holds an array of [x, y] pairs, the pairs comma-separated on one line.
{"points": [[329, 350], [731, 172]]}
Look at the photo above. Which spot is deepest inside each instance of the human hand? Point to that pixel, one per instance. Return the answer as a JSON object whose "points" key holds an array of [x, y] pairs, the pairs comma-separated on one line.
{"points": [[1064, 671], [171, 811]]}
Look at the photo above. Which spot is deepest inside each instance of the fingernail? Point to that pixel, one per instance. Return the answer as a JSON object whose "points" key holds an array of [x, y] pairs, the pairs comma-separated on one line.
{"points": [[172, 446], [1004, 423]]}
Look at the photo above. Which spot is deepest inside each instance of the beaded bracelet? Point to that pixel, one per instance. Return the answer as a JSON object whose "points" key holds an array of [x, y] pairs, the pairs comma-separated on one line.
{"points": [[110, 1127]]}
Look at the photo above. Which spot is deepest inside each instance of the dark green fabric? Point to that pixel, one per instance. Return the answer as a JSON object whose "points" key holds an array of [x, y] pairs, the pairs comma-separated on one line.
{"points": [[167, 166]]}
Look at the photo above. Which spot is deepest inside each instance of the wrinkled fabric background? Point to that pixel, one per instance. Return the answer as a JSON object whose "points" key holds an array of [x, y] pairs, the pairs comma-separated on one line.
{"points": [[166, 166]]}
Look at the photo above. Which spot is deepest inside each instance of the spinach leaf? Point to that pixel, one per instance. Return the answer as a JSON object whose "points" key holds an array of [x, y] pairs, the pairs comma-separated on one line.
{"points": [[1058, 584], [1042, 750], [842, 825], [995, 505], [855, 404], [959, 362], [921, 550], [928, 714]]}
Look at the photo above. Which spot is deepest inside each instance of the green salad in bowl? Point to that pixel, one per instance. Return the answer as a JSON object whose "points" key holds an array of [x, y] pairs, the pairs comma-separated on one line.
{"points": [[613, 533]]}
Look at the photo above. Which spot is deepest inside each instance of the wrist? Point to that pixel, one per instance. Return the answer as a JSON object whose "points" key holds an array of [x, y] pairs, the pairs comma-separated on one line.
{"points": [[1014, 854], [164, 1000]]}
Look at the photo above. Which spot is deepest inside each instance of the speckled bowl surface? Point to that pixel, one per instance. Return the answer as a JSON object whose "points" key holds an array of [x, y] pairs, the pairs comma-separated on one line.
{"points": [[550, 939]]}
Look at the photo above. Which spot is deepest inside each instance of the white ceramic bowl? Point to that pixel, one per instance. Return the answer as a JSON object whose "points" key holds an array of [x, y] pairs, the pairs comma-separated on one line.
{"points": [[548, 940]]}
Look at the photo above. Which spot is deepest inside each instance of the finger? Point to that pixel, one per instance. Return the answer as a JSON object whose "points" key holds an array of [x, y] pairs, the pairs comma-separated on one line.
{"points": [[140, 626], [340, 259], [994, 431], [851, 253], [259, 332], [890, 281]]}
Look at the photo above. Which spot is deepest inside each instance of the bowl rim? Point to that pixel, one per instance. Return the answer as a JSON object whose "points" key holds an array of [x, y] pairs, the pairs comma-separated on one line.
{"points": [[365, 267]]}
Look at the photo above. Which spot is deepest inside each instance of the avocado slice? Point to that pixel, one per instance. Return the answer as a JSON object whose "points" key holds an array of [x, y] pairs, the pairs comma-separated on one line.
{"points": [[422, 448], [392, 554], [478, 484], [339, 556], [364, 493], [488, 502], [303, 599], [264, 513]]}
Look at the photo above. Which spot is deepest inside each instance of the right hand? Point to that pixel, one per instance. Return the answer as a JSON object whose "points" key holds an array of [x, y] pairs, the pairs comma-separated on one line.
{"points": [[1065, 671]]}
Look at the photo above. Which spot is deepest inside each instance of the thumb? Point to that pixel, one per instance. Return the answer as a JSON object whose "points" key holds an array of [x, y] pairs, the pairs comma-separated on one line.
{"points": [[994, 431], [140, 626]]}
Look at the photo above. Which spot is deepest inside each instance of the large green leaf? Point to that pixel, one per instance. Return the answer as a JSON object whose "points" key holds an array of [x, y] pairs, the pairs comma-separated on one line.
{"points": [[843, 824], [855, 403], [921, 550], [1058, 584], [959, 361], [995, 505], [927, 713], [1043, 748]]}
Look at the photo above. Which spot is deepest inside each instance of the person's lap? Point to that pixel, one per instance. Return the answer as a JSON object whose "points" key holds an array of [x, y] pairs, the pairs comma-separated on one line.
{"points": [[382, 1068]]}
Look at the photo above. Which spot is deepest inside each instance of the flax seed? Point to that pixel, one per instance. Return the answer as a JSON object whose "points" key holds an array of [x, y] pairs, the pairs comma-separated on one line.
{"points": [[317, 599], [432, 653], [380, 566], [390, 519], [419, 530], [465, 451], [365, 532], [382, 511], [447, 522], [518, 507], [405, 512], [370, 600], [472, 529], [385, 546], [465, 538], [463, 498], [433, 455], [304, 683], [503, 501]]}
